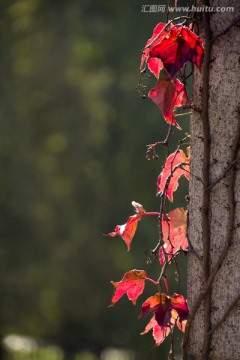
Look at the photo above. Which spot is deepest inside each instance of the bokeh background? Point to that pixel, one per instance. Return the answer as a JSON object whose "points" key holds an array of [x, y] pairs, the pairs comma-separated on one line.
{"points": [[73, 136]]}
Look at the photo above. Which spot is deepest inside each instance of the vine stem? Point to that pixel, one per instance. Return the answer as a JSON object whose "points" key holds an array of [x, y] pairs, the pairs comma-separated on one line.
{"points": [[184, 114], [152, 281], [226, 30], [151, 213], [151, 147], [231, 307], [224, 173], [164, 197]]}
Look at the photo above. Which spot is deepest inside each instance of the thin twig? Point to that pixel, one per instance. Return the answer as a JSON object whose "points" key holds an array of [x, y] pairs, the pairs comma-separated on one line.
{"points": [[191, 173], [166, 263], [151, 147], [184, 114]]}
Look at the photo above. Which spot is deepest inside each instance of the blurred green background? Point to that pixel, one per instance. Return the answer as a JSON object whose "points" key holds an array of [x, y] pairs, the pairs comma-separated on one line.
{"points": [[73, 135]]}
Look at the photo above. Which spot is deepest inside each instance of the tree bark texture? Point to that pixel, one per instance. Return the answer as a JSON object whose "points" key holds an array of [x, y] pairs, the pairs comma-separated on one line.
{"points": [[214, 208]]}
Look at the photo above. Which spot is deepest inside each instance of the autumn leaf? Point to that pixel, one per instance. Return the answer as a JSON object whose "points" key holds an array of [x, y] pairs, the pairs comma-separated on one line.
{"points": [[127, 231], [167, 311], [174, 233], [138, 207], [167, 95], [182, 325], [181, 45], [132, 284], [179, 304], [162, 305], [168, 179], [154, 64], [159, 305], [159, 332]]}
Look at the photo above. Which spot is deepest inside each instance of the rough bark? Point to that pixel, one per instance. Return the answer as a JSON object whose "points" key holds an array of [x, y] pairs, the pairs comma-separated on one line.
{"points": [[214, 208]]}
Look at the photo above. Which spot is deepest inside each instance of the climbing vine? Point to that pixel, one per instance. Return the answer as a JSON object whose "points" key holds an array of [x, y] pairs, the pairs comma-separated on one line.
{"points": [[172, 45], [165, 56]]}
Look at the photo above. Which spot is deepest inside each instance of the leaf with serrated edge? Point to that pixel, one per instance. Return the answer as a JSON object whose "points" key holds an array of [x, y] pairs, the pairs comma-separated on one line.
{"points": [[132, 284], [167, 95], [181, 45], [159, 332], [174, 232], [172, 172]]}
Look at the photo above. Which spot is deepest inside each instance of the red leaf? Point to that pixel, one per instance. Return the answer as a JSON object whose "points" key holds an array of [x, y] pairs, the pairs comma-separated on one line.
{"points": [[167, 95], [159, 332], [150, 304], [179, 304], [158, 304], [154, 64], [132, 284], [127, 230], [180, 324], [138, 207], [181, 45], [174, 232], [166, 310], [168, 179]]}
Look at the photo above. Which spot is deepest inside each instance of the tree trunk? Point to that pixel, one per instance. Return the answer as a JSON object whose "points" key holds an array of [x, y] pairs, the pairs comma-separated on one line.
{"points": [[214, 208]]}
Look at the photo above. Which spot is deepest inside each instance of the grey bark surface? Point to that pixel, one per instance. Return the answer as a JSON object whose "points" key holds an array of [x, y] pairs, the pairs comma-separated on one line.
{"points": [[223, 112]]}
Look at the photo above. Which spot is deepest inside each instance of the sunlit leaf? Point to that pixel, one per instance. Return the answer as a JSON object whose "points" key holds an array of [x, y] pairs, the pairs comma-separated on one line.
{"points": [[174, 233], [127, 230], [138, 207], [179, 304], [159, 305], [167, 311], [168, 179], [167, 95], [159, 332], [132, 284], [162, 305], [154, 64], [181, 45]]}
